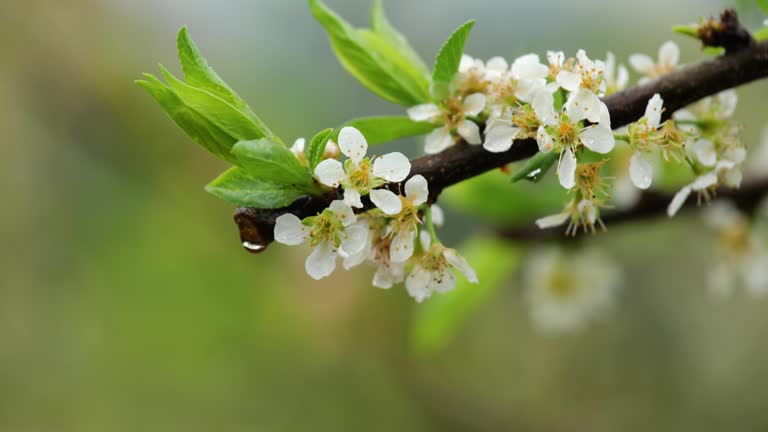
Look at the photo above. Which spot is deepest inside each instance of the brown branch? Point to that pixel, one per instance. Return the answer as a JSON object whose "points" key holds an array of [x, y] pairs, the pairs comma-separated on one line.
{"points": [[651, 205], [461, 162]]}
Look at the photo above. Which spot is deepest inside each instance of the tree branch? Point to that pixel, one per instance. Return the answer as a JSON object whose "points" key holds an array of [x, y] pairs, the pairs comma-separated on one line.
{"points": [[461, 162], [651, 205]]}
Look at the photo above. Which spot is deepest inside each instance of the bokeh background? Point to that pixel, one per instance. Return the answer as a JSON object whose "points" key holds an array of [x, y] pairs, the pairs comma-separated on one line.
{"points": [[127, 304]]}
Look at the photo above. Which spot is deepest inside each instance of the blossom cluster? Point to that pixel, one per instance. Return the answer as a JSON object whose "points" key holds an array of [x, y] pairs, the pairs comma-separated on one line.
{"points": [[391, 235]]}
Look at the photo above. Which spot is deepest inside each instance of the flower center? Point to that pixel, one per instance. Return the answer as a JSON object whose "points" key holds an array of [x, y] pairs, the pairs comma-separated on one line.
{"points": [[560, 285], [361, 177], [568, 133], [325, 227]]}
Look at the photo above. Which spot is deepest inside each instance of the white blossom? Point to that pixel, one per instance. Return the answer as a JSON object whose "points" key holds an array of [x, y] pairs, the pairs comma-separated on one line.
{"points": [[640, 168], [616, 78], [453, 117], [669, 57], [567, 290], [330, 232], [406, 222], [433, 271], [360, 175]]}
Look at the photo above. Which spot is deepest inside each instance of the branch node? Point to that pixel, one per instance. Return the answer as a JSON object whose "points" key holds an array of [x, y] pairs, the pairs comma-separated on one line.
{"points": [[727, 33]]}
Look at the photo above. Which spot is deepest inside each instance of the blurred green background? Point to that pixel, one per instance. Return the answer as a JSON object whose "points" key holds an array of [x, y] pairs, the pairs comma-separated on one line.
{"points": [[127, 304]]}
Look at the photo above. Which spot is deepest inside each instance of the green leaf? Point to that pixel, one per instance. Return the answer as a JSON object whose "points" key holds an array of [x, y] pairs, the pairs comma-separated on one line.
{"points": [[242, 188], [381, 26], [378, 130], [691, 30], [217, 110], [448, 60], [317, 147], [197, 127], [713, 51], [369, 56], [273, 162], [438, 319], [536, 167]]}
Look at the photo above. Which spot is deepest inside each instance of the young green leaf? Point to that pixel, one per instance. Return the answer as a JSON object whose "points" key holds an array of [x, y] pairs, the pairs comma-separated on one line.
{"points": [[535, 168], [381, 26], [763, 5], [242, 188], [373, 60], [439, 318], [378, 130], [217, 110], [691, 30], [199, 74], [273, 162], [317, 147], [761, 34], [197, 127], [448, 59]]}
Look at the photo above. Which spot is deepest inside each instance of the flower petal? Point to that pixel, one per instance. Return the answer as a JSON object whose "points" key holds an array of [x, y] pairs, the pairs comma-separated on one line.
{"points": [[727, 101], [387, 201], [330, 172], [545, 140], [355, 240], [583, 104], [544, 106], [417, 190], [438, 216], [343, 212], [289, 230], [438, 140], [470, 132], [552, 220], [461, 264], [566, 170], [640, 171], [500, 138], [569, 80], [642, 63], [401, 247], [653, 111], [321, 262], [669, 54], [417, 284], [678, 200], [352, 198], [424, 112], [704, 150], [598, 139], [392, 167], [353, 144], [473, 104]]}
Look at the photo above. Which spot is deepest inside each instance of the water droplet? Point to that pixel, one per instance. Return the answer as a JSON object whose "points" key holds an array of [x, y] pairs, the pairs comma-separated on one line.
{"points": [[253, 247]]}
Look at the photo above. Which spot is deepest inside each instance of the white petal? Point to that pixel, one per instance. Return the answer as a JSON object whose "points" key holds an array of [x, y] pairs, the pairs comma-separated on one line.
{"points": [[605, 115], [581, 56], [473, 104], [401, 247], [289, 230], [353, 144], [588, 210], [343, 212], [555, 58], [438, 140], [640, 171], [736, 155], [727, 101], [598, 139], [529, 67], [356, 239], [383, 278], [417, 190], [733, 177], [569, 80], [392, 167], [470, 132], [425, 239], [653, 111], [466, 63], [678, 200], [298, 146], [642, 63], [623, 79], [424, 112], [321, 262], [417, 284], [461, 264], [387, 201], [552, 220], [438, 217], [352, 198], [669, 54], [566, 170], [330, 172], [583, 104], [443, 281], [704, 150], [544, 106], [544, 139], [497, 64], [500, 138], [527, 88], [705, 181]]}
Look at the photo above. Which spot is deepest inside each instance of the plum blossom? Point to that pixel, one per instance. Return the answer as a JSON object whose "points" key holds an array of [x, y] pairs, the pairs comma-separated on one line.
{"points": [[616, 79], [564, 132], [360, 175], [453, 116], [567, 290], [433, 271], [330, 233], [641, 136], [669, 57]]}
